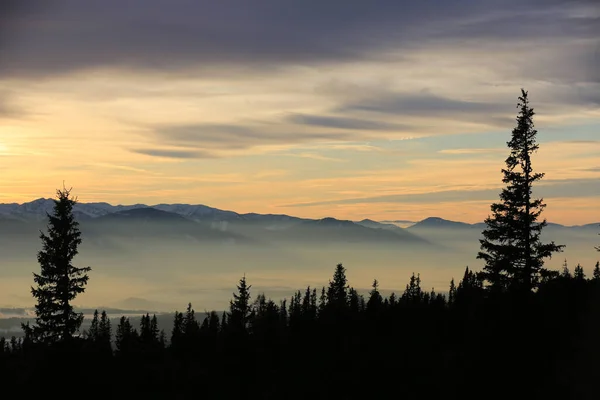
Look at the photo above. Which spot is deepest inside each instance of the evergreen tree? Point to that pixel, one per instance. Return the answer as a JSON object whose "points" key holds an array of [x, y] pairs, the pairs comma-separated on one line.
{"points": [[337, 293], [191, 327], [104, 329], [511, 248], [224, 322], [177, 331], [59, 281], [566, 273], [452, 293], [322, 301], [596, 273], [240, 307], [578, 274], [469, 288], [126, 336], [94, 327], [354, 301], [104, 333], [149, 332], [375, 300], [413, 293]]}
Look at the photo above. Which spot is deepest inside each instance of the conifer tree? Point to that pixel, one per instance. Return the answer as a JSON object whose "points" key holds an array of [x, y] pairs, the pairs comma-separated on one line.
{"points": [[59, 281], [322, 301], [375, 300], [191, 327], [104, 332], [337, 293], [354, 301], [149, 331], [126, 336], [469, 288], [452, 293], [224, 322], [511, 248], [240, 307], [177, 331], [596, 273], [566, 273], [578, 273], [413, 293], [94, 327]]}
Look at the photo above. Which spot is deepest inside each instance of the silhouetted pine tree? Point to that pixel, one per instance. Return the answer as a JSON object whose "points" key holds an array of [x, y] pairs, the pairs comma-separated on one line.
{"points": [[511, 248], [322, 301], [224, 322], [337, 293], [596, 273], [58, 282], [149, 333], [469, 290], [452, 293], [191, 329], [126, 337], [239, 307], [565, 273], [375, 301], [94, 327], [413, 295], [177, 336], [104, 334], [578, 273]]}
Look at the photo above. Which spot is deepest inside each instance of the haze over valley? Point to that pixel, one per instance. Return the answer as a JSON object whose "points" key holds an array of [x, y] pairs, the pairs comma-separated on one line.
{"points": [[159, 258]]}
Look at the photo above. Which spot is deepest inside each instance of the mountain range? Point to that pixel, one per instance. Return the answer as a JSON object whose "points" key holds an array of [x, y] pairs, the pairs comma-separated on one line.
{"points": [[36, 211], [176, 253]]}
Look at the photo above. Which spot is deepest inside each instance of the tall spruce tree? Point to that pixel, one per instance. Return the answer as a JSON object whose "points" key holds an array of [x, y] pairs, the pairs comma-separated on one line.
{"points": [[59, 281], [511, 248], [240, 307], [596, 273], [338, 291]]}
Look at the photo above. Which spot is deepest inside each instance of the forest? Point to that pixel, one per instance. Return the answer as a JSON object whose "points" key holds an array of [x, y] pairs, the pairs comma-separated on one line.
{"points": [[514, 328]]}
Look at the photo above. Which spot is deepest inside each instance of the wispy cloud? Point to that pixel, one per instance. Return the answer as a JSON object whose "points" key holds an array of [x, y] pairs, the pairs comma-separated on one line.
{"points": [[314, 156], [471, 151], [340, 122], [177, 154], [558, 188]]}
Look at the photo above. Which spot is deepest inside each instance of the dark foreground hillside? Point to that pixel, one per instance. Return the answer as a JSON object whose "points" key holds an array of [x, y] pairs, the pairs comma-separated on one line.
{"points": [[333, 344]]}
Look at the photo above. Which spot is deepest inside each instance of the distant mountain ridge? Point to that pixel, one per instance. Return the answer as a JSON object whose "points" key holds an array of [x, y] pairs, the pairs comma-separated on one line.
{"points": [[37, 209]]}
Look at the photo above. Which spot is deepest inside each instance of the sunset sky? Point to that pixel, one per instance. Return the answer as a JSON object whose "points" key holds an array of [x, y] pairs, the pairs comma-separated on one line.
{"points": [[382, 109]]}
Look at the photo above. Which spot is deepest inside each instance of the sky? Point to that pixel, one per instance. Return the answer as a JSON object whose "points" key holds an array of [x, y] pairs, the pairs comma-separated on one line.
{"points": [[382, 109]]}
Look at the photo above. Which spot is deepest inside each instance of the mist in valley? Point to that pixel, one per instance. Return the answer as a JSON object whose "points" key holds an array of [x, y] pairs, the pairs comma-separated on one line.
{"points": [[159, 261]]}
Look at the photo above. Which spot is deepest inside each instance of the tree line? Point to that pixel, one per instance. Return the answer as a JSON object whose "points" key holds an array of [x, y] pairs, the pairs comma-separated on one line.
{"points": [[515, 328]]}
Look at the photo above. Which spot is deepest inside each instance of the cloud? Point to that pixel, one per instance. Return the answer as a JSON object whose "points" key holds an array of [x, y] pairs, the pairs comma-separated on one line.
{"points": [[178, 154], [429, 105], [315, 156], [585, 187], [47, 37], [471, 151], [8, 107], [207, 138], [343, 122]]}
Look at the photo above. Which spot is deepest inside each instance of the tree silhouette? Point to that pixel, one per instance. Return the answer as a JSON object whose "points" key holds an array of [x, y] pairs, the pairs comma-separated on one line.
{"points": [[375, 301], [511, 247], [240, 306], [337, 293], [126, 337], [596, 273], [94, 327], [59, 282]]}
